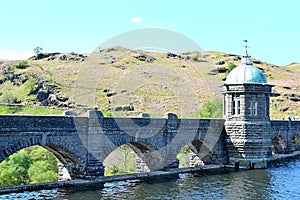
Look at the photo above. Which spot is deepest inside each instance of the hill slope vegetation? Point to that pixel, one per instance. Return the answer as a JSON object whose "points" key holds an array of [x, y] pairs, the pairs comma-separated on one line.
{"points": [[123, 82]]}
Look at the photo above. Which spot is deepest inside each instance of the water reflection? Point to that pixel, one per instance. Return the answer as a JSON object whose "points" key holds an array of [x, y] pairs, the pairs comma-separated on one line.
{"points": [[278, 182]]}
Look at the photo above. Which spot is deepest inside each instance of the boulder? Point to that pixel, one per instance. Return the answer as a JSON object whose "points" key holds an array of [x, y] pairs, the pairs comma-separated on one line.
{"points": [[118, 108], [112, 60], [144, 115], [42, 95], [70, 113], [219, 70], [128, 108], [222, 62], [294, 97], [45, 103], [188, 57], [229, 55], [109, 94], [53, 101], [124, 108], [51, 58], [145, 58], [150, 59], [63, 57], [62, 98], [72, 58], [256, 61], [171, 55], [236, 58], [141, 57]]}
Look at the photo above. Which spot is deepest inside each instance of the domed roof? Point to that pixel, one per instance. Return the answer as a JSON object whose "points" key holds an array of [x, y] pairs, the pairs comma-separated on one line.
{"points": [[246, 73]]}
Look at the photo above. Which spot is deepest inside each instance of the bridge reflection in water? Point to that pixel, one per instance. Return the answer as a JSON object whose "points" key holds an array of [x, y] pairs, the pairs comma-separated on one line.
{"points": [[276, 182]]}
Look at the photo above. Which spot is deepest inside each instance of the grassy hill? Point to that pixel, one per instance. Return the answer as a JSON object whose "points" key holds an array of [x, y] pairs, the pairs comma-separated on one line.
{"points": [[124, 82]]}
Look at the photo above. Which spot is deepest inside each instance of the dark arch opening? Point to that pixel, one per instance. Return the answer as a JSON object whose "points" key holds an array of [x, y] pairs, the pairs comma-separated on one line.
{"points": [[278, 145], [194, 154], [68, 166], [133, 157], [296, 142]]}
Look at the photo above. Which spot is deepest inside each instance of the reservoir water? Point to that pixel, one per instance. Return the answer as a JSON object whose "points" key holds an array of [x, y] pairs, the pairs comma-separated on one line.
{"points": [[277, 182]]}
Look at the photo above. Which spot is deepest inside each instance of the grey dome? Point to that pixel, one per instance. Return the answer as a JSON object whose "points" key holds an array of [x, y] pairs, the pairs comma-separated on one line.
{"points": [[246, 73]]}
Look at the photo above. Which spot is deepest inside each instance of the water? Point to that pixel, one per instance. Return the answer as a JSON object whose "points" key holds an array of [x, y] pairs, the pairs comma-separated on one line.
{"points": [[277, 182]]}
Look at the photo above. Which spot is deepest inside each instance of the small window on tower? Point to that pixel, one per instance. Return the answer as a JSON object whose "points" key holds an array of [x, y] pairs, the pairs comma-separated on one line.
{"points": [[233, 107], [253, 107], [236, 105], [224, 105]]}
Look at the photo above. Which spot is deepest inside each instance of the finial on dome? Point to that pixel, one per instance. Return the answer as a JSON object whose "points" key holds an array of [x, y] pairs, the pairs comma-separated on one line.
{"points": [[246, 46], [246, 58]]}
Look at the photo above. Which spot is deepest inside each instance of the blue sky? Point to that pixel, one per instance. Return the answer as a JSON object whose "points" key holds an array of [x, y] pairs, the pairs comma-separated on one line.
{"points": [[271, 27]]}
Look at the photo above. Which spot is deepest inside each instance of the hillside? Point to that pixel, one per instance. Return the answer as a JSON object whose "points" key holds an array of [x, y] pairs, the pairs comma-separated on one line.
{"points": [[124, 82]]}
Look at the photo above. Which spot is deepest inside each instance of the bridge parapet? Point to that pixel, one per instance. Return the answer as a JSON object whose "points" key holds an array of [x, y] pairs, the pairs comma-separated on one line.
{"points": [[83, 143]]}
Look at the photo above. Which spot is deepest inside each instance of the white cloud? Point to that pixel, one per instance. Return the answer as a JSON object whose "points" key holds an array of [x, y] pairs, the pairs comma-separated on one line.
{"points": [[9, 54], [136, 19]]}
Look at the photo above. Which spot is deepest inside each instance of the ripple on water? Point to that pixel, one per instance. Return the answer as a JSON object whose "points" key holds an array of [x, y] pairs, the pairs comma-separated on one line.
{"points": [[278, 182]]}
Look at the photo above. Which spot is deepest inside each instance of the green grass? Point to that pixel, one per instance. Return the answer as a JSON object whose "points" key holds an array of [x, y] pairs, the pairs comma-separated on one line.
{"points": [[29, 110]]}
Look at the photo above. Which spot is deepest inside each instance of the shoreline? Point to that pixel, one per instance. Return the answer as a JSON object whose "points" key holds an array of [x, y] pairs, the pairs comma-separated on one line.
{"points": [[99, 182]]}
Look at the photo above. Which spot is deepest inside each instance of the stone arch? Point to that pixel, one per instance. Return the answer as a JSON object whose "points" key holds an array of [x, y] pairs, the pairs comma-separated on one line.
{"points": [[296, 142], [278, 145], [147, 158], [72, 162], [200, 154], [14, 147]]}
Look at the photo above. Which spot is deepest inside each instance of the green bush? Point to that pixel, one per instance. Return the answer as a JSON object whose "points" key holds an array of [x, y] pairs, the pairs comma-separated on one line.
{"points": [[210, 109], [106, 113], [22, 65], [30, 165], [231, 66]]}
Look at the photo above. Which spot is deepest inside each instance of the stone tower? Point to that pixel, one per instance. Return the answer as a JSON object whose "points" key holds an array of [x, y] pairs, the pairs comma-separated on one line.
{"points": [[246, 111]]}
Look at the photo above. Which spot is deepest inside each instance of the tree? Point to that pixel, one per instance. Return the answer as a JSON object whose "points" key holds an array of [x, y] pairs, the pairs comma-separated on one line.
{"points": [[42, 171], [38, 52], [210, 109], [231, 66], [30, 165], [13, 170]]}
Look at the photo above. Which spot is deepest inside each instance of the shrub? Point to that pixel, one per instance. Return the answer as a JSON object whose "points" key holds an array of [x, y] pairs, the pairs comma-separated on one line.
{"points": [[210, 109], [231, 66], [22, 65]]}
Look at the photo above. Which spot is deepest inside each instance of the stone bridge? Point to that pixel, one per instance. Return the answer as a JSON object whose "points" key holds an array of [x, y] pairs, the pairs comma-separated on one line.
{"points": [[82, 143], [285, 136], [246, 136]]}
